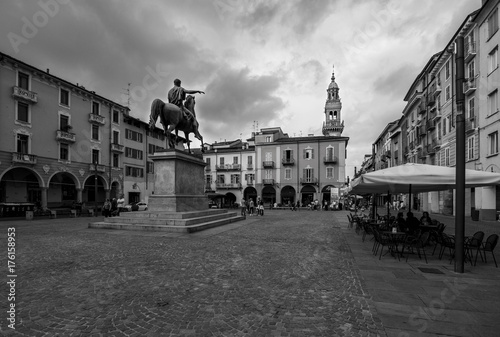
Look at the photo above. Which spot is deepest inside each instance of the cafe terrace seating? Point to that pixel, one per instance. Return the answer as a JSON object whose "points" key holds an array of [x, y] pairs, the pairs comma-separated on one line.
{"points": [[489, 246]]}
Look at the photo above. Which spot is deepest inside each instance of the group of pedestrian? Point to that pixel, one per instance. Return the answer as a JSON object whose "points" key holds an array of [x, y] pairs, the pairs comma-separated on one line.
{"points": [[113, 207], [252, 208]]}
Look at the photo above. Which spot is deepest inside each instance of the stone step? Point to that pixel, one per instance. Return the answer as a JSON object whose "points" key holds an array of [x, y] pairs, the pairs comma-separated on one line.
{"points": [[166, 228], [174, 215], [164, 220]]}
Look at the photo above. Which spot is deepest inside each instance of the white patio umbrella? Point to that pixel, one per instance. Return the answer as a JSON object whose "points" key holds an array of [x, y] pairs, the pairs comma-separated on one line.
{"points": [[415, 178]]}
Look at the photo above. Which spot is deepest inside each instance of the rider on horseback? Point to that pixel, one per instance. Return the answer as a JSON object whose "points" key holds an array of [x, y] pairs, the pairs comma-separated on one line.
{"points": [[177, 95]]}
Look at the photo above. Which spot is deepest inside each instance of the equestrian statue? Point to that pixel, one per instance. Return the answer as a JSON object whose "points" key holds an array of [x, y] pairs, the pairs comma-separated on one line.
{"points": [[175, 115]]}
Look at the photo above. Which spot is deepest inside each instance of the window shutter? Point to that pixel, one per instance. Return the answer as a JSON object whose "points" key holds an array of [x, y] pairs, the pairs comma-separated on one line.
{"points": [[312, 153], [304, 154]]}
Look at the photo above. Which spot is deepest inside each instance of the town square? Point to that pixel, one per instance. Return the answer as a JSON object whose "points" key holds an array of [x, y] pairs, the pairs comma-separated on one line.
{"points": [[249, 168]]}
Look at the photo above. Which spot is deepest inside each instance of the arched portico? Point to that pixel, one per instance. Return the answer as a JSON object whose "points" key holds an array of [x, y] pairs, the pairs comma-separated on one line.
{"points": [[308, 193], [89, 194], [250, 192], [229, 200], [22, 184], [268, 195], [326, 193], [288, 195], [62, 190]]}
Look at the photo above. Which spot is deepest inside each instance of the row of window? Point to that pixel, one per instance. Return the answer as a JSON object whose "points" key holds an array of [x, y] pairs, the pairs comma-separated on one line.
{"points": [[308, 174], [23, 82], [287, 154]]}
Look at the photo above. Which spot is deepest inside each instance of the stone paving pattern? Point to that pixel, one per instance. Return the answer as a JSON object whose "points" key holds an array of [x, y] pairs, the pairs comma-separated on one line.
{"points": [[284, 274]]}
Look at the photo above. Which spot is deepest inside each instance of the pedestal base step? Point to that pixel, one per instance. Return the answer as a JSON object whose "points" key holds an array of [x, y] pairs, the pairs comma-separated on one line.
{"points": [[187, 228]]}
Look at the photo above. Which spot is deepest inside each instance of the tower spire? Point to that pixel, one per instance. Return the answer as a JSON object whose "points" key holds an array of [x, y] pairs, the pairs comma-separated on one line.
{"points": [[333, 125]]}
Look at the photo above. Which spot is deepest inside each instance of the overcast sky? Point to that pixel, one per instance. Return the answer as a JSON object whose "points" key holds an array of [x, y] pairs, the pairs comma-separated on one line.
{"points": [[263, 63]]}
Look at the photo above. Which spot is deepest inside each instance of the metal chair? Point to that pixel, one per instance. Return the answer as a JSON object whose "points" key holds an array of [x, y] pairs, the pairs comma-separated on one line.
{"points": [[418, 244], [474, 243], [489, 246]]}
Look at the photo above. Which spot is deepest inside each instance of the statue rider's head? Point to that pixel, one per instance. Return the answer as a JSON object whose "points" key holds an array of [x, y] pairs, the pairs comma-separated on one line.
{"points": [[177, 82]]}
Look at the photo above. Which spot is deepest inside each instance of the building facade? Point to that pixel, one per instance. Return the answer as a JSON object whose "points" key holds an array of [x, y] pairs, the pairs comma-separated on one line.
{"points": [[62, 144], [427, 131], [279, 168]]}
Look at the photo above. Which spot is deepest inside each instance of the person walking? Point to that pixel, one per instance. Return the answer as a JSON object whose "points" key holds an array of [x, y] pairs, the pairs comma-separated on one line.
{"points": [[106, 209], [251, 207], [243, 205], [261, 208], [120, 204]]}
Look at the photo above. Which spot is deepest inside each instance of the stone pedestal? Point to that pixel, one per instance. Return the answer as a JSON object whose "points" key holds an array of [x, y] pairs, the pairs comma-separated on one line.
{"points": [[179, 182]]}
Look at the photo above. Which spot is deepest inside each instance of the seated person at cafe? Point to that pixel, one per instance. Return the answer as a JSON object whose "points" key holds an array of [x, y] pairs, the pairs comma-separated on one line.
{"points": [[401, 222], [425, 220], [412, 223]]}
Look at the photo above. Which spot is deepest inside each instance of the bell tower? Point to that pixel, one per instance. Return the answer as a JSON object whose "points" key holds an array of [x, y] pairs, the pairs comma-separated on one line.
{"points": [[333, 124]]}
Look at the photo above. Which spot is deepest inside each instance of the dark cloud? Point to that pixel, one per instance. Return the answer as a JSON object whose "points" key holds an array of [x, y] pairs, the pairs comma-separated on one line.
{"points": [[236, 98]]}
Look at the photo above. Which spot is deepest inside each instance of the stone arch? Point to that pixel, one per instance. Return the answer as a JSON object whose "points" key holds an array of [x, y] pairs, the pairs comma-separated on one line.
{"points": [[73, 177], [250, 192], [21, 184], [307, 194], [88, 194], [268, 195], [229, 199], [288, 194], [41, 182]]}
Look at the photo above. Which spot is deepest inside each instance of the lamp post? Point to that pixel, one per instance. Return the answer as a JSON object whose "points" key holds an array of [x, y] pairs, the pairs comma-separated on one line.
{"points": [[95, 188]]}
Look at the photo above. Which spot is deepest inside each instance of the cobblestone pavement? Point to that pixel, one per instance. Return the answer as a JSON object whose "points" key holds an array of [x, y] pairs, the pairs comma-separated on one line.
{"points": [[284, 274]]}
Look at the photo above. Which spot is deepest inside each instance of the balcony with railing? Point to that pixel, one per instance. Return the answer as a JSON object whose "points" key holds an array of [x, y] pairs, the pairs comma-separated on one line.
{"points": [[268, 181], [208, 188], [411, 145], [99, 168], [469, 86], [250, 182], [421, 109], [436, 115], [431, 99], [98, 119], [65, 136], [117, 148], [470, 124], [430, 125], [437, 89], [422, 130], [24, 158], [249, 167], [228, 167], [309, 181], [469, 51], [330, 159], [24, 95], [268, 164], [288, 161], [436, 144], [207, 168], [430, 149], [228, 186]]}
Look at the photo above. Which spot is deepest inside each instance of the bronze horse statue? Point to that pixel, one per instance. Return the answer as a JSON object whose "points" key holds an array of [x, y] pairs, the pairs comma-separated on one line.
{"points": [[172, 118]]}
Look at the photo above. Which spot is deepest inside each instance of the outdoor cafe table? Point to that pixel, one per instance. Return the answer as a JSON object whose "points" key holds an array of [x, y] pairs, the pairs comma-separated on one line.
{"points": [[427, 228], [396, 238]]}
